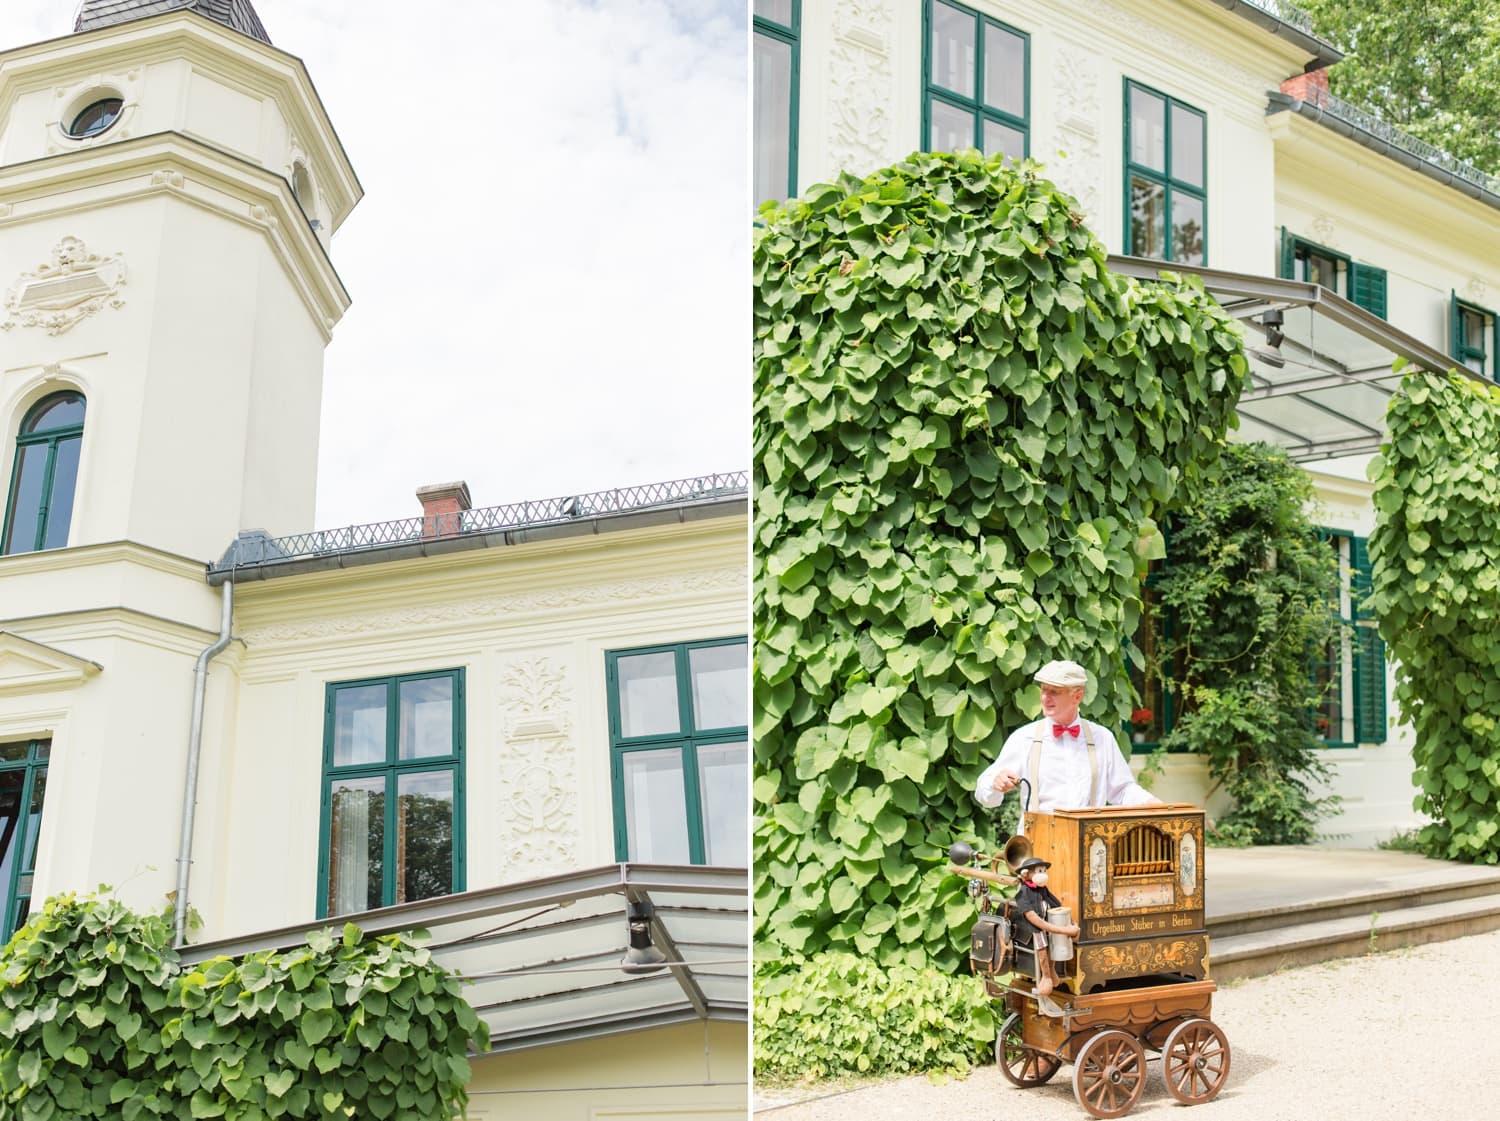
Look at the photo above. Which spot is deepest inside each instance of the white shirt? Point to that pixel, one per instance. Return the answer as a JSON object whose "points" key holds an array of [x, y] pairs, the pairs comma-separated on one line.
{"points": [[1063, 774]]}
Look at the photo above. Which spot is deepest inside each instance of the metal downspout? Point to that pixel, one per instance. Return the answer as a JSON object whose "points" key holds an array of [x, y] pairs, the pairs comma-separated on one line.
{"points": [[195, 746]]}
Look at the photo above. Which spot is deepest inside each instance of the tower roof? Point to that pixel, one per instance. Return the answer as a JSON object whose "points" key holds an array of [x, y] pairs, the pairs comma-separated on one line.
{"points": [[236, 14]]}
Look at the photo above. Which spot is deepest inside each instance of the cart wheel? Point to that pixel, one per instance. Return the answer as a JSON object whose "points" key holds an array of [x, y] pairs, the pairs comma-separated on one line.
{"points": [[1020, 1063], [1195, 1060], [1109, 1073]]}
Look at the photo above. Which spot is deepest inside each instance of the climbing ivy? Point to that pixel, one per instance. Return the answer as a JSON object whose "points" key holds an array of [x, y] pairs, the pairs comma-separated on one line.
{"points": [[1246, 601], [99, 1019], [1435, 554], [964, 425]]}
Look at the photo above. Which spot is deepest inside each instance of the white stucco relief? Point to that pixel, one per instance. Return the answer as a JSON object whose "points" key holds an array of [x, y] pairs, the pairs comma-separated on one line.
{"points": [[1323, 229], [59, 293], [1076, 90], [467, 611], [860, 87], [536, 820], [1162, 43]]}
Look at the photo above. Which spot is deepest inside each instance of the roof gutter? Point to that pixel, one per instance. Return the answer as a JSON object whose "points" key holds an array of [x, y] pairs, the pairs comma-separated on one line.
{"points": [[1281, 103], [1324, 53]]}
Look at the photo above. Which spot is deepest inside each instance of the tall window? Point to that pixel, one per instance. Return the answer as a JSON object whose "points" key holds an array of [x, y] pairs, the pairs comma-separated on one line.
{"points": [[1474, 337], [777, 25], [23, 785], [679, 752], [393, 806], [1166, 177], [976, 83], [1353, 666], [40, 507], [1308, 261]]}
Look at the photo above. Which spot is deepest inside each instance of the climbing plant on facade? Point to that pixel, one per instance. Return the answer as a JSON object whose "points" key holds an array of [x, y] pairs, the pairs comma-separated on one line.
{"points": [[99, 1019], [964, 424], [1436, 575], [1247, 600]]}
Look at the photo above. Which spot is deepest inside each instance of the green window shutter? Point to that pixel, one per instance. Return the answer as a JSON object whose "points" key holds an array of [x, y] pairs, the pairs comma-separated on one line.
{"points": [[1367, 288], [1369, 653], [1455, 327], [1288, 255]]}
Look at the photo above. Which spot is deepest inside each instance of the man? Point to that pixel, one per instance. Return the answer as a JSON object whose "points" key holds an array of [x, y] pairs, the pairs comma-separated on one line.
{"points": [[1070, 763]]}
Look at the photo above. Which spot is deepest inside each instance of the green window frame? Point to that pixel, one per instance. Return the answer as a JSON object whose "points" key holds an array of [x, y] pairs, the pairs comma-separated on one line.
{"points": [[1473, 336], [1307, 261], [1166, 181], [23, 787], [679, 718], [393, 753], [1357, 715], [776, 62], [972, 89], [44, 474]]}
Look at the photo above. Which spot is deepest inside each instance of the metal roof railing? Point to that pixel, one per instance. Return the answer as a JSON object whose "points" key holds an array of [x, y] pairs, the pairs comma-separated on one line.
{"points": [[252, 549]]}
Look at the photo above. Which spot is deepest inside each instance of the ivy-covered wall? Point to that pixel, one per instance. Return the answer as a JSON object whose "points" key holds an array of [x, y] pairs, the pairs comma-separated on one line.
{"points": [[1435, 554], [964, 426]]}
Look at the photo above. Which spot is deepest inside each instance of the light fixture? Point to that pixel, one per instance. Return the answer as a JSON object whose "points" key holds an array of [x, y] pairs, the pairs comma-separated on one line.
{"points": [[1270, 354], [642, 956]]}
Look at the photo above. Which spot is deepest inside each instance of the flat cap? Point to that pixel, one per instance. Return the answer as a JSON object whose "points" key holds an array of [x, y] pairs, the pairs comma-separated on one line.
{"points": [[1063, 674]]}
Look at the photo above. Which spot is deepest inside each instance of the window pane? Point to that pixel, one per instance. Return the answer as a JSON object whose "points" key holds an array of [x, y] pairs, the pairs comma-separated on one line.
{"points": [[1187, 146], [424, 835], [773, 118], [953, 52], [62, 411], [1475, 330], [1004, 70], [26, 498], [952, 129], [1147, 218], [359, 725], [723, 777], [648, 694], [1318, 269], [1003, 138], [60, 504], [11, 830], [426, 718], [778, 11], [1187, 229], [721, 696], [14, 751], [1148, 136], [656, 807], [356, 845]]}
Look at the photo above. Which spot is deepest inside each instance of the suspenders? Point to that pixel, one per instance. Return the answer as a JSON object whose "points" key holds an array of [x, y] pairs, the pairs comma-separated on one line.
{"points": [[1034, 764]]}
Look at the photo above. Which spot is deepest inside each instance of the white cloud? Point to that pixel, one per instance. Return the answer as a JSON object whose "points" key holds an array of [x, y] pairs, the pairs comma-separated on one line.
{"points": [[549, 265]]}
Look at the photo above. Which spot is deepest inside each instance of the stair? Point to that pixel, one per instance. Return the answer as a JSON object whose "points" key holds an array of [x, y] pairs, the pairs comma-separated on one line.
{"points": [[1344, 903]]}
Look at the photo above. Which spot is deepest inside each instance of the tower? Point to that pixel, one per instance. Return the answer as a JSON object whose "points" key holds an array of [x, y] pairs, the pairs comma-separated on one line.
{"points": [[169, 182]]}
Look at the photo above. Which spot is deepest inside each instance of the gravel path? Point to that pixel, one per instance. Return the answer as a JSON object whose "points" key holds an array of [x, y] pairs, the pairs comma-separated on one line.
{"points": [[1389, 1037]]}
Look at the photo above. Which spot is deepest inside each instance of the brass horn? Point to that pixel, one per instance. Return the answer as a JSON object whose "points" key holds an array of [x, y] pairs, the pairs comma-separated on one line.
{"points": [[1017, 849]]}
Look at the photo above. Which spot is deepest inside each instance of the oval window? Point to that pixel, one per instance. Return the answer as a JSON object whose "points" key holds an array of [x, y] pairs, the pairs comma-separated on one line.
{"points": [[96, 118]]}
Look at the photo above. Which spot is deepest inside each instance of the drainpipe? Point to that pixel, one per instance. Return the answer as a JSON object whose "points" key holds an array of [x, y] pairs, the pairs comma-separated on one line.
{"points": [[195, 747]]}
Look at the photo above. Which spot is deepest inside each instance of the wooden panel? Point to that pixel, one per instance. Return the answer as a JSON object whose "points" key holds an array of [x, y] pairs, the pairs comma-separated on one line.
{"points": [[1108, 961], [1112, 927]]}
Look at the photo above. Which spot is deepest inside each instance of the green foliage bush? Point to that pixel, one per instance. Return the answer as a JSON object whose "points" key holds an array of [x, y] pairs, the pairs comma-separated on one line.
{"points": [[99, 1019], [839, 1013], [1435, 554], [1244, 603], [964, 425]]}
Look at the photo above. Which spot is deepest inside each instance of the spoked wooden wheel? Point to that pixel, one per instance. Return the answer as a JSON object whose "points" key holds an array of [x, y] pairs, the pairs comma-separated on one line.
{"points": [[1109, 1073], [1195, 1060], [1020, 1063]]}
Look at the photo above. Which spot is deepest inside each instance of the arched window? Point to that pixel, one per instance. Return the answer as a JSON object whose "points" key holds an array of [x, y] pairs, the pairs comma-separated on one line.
{"points": [[40, 508]]}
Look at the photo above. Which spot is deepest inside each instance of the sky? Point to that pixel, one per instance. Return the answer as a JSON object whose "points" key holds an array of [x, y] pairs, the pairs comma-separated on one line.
{"points": [[549, 266]]}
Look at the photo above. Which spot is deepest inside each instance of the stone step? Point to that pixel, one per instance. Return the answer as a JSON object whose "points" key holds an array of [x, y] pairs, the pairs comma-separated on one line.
{"points": [[1258, 952], [1351, 904]]}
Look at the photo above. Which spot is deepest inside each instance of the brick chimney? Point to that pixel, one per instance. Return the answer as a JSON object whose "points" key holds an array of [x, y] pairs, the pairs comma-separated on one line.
{"points": [[1311, 87], [443, 506]]}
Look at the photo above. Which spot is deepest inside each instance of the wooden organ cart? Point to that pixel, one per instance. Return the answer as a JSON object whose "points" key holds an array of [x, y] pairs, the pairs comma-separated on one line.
{"points": [[1138, 979]]}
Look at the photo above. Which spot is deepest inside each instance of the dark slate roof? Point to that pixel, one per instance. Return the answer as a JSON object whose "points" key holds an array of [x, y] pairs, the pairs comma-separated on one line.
{"points": [[236, 14]]}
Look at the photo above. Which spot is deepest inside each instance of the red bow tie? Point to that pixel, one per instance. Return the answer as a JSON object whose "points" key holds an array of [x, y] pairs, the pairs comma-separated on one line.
{"points": [[1061, 730]]}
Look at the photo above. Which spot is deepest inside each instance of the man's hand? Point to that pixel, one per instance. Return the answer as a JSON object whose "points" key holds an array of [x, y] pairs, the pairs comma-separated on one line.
{"points": [[1004, 782]]}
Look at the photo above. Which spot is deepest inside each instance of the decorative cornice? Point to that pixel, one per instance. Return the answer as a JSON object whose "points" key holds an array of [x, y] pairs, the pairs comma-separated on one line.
{"points": [[471, 611], [27, 666]]}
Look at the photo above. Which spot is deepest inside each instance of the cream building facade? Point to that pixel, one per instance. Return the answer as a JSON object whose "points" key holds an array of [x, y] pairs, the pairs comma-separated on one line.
{"points": [[1200, 134], [457, 718]]}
